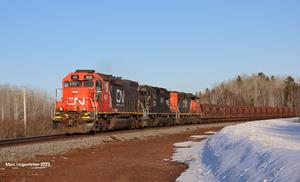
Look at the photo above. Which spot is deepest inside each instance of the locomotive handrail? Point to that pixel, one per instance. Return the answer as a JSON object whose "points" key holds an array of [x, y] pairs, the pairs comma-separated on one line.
{"points": [[94, 106]]}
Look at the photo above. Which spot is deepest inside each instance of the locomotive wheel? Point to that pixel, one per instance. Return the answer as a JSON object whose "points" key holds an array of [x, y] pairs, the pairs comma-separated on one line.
{"points": [[105, 124], [152, 123], [135, 124], [98, 126], [143, 123]]}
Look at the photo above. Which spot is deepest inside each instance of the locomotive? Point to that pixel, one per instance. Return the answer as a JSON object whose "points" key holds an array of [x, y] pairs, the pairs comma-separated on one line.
{"points": [[95, 102]]}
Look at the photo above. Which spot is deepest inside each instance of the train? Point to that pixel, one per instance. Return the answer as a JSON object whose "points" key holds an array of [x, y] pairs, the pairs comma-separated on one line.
{"points": [[96, 102]]}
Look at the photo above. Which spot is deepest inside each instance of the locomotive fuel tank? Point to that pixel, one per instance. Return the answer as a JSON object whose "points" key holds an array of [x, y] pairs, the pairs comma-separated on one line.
{"points": [[120, 123]]}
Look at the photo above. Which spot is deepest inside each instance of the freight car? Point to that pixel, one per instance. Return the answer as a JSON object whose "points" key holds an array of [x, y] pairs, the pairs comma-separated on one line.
{"points": [[94, 102]]}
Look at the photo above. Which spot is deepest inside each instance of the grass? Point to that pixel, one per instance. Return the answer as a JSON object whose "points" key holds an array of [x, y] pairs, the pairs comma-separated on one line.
{"points": [[15, 129]]}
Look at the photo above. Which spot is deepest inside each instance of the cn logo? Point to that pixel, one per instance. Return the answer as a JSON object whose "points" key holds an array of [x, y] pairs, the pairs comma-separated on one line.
{"points": [[72, 101], [120, 96]]}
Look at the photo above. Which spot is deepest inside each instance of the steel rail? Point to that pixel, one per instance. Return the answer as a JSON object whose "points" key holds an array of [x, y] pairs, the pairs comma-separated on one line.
{"points": [[31, 139]]}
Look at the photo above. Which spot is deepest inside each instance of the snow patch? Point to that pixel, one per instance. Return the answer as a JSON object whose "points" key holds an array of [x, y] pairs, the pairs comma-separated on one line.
{"points": [[254, 151], [186, 144], [186, 154], [210, 132], [199, 137]]}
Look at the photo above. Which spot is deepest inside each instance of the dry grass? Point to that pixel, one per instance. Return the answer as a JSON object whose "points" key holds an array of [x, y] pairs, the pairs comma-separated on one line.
{"points": [[15, 129], [11, 129], [40, 127]]}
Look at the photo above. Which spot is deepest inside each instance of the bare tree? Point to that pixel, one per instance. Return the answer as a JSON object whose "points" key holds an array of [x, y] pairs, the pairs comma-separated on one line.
{"points": [[254, 90], [38, 104]]}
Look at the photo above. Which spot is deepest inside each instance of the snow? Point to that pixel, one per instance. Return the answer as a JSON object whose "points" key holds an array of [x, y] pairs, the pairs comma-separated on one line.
{"points": [[210, 132], [198, 137], [255, 151], [183, 144]]}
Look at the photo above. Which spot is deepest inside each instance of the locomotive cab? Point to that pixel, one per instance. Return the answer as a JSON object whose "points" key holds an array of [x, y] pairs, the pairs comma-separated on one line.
{"points": [[79, 102]]}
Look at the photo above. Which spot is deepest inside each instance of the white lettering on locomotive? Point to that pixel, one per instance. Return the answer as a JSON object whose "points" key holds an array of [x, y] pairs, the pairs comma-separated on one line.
{"points": [[72, 101], [120, 96], [162, 100], [168, 102], [184, 103]]}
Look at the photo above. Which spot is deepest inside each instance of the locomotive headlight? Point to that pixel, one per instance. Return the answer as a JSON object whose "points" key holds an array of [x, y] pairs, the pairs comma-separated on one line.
{"points": [[88, 77], [75, 77], [61, 109], [84, 109]]}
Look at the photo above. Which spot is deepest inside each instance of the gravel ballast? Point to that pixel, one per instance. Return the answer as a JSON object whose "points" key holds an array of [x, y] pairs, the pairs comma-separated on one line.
{"points": [[19, 152]]}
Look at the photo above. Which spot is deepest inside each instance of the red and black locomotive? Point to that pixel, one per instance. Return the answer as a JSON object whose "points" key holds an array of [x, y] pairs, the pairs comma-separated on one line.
{"points": [[93, 101]]}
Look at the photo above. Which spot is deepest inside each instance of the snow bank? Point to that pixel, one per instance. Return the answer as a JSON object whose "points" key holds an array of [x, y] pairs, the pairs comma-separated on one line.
{"points": [[255, 151]]}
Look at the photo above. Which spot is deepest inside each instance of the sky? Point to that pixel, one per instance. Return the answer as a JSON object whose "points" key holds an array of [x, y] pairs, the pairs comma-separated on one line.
{"points": [[179, 45]]}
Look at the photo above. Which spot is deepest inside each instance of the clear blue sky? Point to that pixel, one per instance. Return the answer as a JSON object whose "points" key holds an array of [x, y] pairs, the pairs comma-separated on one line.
{"points": [[179, 45]]}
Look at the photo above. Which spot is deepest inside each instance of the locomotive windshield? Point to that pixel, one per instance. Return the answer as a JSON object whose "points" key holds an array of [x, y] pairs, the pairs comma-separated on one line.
{"points": [[88, 83], [76, 83]]}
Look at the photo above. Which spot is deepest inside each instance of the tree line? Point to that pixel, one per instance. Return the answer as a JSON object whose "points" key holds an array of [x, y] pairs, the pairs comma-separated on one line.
{"points": [[254, 90], [244, 90], [38, 111]]}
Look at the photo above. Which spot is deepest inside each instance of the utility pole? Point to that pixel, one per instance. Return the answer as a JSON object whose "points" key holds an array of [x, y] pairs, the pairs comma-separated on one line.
{"points": [[25, 114], [2, 107], [2, 111]]}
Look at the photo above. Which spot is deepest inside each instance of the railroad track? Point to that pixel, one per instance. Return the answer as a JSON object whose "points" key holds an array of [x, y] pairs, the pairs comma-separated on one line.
{"points": [[77, 135], [31, 139], [26, 140]]}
